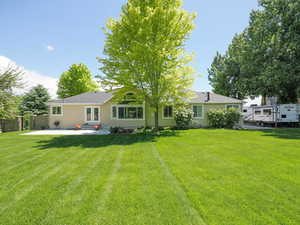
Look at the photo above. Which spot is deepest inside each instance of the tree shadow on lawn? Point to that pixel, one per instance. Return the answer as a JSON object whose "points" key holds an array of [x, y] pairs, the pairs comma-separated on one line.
{"points": [[97, 141], [284, 133]]}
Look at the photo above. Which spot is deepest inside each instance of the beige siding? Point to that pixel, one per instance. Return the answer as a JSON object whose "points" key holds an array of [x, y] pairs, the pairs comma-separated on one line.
{"points": [[162, 122], [72, 114], [75, 114]]}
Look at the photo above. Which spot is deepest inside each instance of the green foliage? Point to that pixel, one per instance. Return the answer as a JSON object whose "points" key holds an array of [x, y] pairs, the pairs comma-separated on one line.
{"points": [[78, 79], [264, 59], [223, 118], [8, 105], [183, 116], [145, 52], [35, 101], [10, 78]]}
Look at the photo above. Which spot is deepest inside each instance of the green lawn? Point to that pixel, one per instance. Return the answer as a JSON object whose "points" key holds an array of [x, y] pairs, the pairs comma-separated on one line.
{"points": [[212, 177]]}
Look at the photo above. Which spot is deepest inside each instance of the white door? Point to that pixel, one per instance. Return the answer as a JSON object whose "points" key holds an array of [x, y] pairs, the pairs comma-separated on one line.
{"points": [[92, 114]]}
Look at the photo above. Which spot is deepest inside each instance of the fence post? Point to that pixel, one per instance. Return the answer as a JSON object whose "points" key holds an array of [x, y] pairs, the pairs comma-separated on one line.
{"points": [[31, 125], [19, 120]]}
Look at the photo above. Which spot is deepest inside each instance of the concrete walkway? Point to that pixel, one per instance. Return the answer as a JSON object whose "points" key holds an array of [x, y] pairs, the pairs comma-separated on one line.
{"points": [[68, 132]]}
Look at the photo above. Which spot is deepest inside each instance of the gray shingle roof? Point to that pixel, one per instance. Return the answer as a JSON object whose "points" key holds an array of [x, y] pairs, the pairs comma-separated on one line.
{"points": [[201, 97], [102, 97], [88, 98]]}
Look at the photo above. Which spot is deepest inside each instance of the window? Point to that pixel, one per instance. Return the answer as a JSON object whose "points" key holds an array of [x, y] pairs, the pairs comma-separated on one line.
{"points": [[56, 110], [257, 112], [114, 112], [245, 110], [283, 116], [232, 107], [267, 112], [92, 114], [168, 112], [96, 114], [128, 112], [197, 109], [89, 114], [128, 98]]}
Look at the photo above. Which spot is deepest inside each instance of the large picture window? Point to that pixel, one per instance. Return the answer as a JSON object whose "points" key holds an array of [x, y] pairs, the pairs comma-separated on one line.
{"points": [[197, 110], [129, 112]]}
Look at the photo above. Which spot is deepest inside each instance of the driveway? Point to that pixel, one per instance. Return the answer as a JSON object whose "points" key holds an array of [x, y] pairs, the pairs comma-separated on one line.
{"points": [[68, 132]]}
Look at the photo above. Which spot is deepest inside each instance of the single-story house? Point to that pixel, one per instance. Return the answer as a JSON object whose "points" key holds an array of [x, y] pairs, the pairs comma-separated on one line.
{"points": [[94, 108]]}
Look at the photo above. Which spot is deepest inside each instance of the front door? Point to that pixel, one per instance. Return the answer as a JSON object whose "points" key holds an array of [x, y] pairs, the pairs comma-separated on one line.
{"points": [[92, 114]]}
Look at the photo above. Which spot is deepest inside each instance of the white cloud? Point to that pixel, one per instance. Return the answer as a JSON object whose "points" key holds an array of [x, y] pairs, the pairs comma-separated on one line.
{"points": [[50, 48], [32, 78]]}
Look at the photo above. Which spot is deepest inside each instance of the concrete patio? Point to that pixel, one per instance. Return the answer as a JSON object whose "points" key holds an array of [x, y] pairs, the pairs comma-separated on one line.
{"points": [[68, 132]]}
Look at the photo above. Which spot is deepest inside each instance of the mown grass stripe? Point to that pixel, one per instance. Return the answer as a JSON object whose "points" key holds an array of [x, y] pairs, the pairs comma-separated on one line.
{"points": [[107, 189], [22, 153], [75, 183], [195, 215], [24, 192], [40, 169], [6, 170]]}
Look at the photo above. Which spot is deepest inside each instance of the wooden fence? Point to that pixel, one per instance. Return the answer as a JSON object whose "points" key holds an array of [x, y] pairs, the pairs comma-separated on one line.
{"points": [[20, 123], [7, 125], [40, 122]]}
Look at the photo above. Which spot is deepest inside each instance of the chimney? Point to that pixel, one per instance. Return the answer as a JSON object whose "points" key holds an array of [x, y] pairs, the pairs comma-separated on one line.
{"points": [[207, 97]]}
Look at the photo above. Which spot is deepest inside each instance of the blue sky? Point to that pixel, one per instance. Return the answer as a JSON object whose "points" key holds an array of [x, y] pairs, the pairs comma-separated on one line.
{"points": [[48, 36]]}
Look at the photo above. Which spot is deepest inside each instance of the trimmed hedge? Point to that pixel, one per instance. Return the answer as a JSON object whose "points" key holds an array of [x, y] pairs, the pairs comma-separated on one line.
{"points": [[223, 118]]}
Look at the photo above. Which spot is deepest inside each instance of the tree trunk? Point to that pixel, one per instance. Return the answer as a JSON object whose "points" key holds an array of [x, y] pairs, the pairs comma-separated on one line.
{"points": [[156, 125]]}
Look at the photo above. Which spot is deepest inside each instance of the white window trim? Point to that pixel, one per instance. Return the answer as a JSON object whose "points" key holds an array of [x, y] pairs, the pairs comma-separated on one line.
{"points": [[127, 106], [198, 118], [92, 112], [51, 110], [239, 107], [129, 92], [163, 114]]}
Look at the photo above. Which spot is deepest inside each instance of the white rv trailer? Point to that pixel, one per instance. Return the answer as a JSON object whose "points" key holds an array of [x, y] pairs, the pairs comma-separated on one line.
{"points": [[271, 114]]}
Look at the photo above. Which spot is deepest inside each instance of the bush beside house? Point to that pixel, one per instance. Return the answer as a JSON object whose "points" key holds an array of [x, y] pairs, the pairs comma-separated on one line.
{"points": [[183, 117], [223, 118]]}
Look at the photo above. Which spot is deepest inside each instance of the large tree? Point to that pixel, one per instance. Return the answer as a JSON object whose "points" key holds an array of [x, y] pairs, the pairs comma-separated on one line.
{"points": [[10, 79], [35, 101], [78, 79], [145, 52], [228, 74], [266, 54]]}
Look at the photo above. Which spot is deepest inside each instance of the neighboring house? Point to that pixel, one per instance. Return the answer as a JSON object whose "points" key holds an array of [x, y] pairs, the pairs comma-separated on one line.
{"points": [[99, 108]]}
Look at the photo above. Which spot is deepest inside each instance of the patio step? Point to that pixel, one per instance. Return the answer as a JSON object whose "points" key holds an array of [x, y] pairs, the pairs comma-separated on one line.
{"points": [[87, 127]]}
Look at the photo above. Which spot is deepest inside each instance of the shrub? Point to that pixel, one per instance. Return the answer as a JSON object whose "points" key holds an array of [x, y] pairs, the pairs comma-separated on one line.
{"points": [[120, 130], [223, 118], [183, 117], [115, 130]]}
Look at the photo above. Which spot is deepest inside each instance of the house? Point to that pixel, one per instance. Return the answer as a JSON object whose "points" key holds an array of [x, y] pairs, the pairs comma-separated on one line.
{"points": [[99, 108]]}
